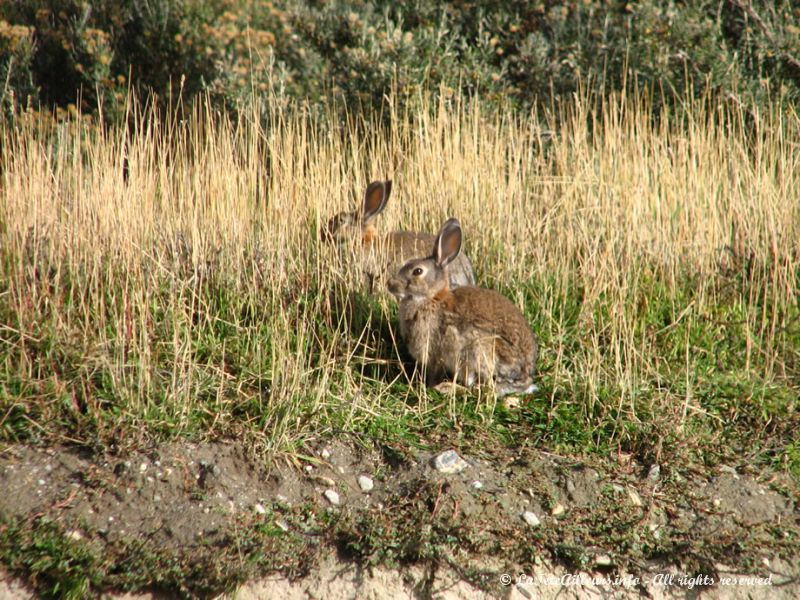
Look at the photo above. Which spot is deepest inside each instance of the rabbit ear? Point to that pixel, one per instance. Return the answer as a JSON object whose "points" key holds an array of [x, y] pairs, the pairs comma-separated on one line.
{"points": [[375, 199], [448, 242]]}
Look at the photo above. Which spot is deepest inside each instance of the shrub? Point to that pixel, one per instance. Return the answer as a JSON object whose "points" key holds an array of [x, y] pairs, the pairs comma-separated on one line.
{"points": [[519, 52]]}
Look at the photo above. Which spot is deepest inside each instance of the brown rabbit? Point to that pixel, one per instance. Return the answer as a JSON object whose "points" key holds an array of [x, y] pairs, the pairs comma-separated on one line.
{"points": [[471, 334], [388, 252]]}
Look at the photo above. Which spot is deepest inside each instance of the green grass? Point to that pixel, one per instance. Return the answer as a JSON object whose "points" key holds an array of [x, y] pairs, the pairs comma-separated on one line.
{"points": [[702, 361], [62, 568], [656, 264]]}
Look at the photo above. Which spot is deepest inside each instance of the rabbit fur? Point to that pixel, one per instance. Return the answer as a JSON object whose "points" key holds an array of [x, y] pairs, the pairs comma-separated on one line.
{"points": [[470, 334], [387, 252]]}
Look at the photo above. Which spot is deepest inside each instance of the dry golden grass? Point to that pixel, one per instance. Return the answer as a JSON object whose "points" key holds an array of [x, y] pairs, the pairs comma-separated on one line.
{"points": [[195, 298]]}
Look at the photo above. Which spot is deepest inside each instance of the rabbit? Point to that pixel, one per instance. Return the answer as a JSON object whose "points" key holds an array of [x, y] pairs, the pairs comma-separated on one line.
{"points": [[470, 334], [388, 252]]}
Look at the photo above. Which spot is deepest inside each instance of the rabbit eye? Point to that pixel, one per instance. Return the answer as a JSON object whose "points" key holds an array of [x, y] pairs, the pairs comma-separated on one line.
{"points": [[417, 272]]}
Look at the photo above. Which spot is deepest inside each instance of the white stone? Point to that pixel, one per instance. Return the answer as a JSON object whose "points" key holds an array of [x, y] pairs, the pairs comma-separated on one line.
{"points": [[326, 454], [365, 483], [476, 485], [531, 519], [558, 510], [259, 508], [449, 462], [333, 497], [75, 535]]}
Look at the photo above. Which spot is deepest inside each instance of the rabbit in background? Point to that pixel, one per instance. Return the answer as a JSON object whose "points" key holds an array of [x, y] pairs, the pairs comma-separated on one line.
{"points": [[386, 252], [469, 334]]}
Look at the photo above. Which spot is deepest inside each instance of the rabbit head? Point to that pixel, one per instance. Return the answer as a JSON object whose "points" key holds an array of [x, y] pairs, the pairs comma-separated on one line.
{"points": [[423, 278], [359, 225]]}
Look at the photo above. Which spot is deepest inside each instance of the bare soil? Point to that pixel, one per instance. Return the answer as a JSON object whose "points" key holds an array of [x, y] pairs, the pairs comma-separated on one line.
{"points": [[417, 533]]}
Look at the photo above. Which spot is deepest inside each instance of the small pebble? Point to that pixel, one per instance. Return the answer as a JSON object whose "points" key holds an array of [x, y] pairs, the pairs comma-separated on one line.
{"points": [[654, 473], [326, 481], [75, 535], [558, 510], [365, 483], [522, 588], [476, 485], [531, 519], [326, 454], [449, 462], [603, 560], [282, 524], [259, 508], [333, 497], [142, 467]]}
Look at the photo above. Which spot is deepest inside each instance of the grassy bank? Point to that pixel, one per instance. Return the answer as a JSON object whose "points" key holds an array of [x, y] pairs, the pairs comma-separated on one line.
{"points": [[171, 283]]}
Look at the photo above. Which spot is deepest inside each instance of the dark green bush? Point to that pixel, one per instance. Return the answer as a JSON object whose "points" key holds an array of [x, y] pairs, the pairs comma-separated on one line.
{"points": [[56, 51]]}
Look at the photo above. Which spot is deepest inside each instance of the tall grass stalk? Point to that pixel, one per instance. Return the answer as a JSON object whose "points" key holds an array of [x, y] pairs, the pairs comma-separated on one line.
{"points": [[168, 279]]}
